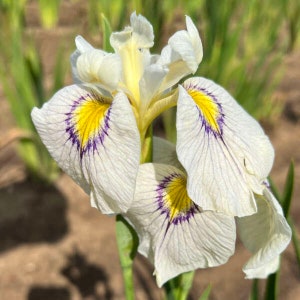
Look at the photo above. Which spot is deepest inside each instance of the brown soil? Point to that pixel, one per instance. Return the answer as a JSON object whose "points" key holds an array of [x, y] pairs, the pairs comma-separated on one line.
{"points": [[55, 246]]}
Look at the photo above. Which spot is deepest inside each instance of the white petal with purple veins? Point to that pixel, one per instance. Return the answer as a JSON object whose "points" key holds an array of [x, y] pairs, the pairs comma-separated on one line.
{"points": [[94, 141], [223, 149]]}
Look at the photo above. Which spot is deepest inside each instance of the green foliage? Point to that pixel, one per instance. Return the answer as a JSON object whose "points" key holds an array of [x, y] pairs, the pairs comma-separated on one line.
{"points": [[179, 287], [286, 198], [206, 293], [127, 241], [115, 11], [272, 286], [49, 11], [22, 79], [291, 11], [106, 29], [242, 50], [254, 291]]}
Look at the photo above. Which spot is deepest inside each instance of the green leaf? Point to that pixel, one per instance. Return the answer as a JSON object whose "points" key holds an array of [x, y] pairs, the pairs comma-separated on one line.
{"points": [[179, 287], [127, 241], [206, 293], [106, 31], [185, 285], [272, 286], [254, 291], [288, 190], [295, 240], [275, 190]]}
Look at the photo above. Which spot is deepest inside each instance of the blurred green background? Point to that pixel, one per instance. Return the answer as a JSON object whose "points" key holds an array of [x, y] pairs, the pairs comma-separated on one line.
{"points": [[244, 45]]}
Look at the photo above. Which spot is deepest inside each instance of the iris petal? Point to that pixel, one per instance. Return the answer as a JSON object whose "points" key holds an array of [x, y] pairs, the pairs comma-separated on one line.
{"points": [[95, 141], [174, 233], [220, 143], [182, 55], [266, 234], [99, 68]]}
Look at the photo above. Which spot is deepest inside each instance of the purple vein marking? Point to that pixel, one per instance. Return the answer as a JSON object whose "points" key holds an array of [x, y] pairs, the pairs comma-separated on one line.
{"points": [[183, 216], [220, 117], [93, 141]]}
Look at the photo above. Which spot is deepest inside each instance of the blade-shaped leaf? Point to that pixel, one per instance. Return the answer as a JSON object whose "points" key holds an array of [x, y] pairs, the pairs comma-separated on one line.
{"points": [[288, 190]]}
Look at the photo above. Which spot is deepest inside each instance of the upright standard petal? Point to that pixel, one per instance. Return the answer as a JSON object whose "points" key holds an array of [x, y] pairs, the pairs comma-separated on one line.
{"points": [[223, 149], [174, 233], [182, 55], [132, 44], [188, 45], [82, 45], [266, 234], [99, 68], [95, 141]]}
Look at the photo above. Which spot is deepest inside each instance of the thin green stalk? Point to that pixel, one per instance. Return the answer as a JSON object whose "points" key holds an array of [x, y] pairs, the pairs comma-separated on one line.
{"points": [[288, 190], [127, 239], [179, 287], [127, 242], [185, 285], [254, 291], [272, 286], [295, 240], [206, 293]]}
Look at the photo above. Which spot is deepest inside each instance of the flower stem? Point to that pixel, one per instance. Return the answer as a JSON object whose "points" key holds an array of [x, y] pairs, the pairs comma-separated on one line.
{"points": [[178, 288], [127, 239], [127, 242], [147, 143]]}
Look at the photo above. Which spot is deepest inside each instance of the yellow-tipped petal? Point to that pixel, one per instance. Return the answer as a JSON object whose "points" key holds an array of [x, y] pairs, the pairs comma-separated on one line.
{"points": [[95, 141], [174, 233], [220, 143]]}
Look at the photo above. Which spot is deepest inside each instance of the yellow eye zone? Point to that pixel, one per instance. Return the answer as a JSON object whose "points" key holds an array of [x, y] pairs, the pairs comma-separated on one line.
{"points": [[208, 108], [176, 198], [88, 118]]}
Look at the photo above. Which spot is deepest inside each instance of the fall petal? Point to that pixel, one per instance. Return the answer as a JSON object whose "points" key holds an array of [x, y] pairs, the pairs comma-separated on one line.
{"points": [[95, 141], [220, 143], [174, 233], [266, 234]]}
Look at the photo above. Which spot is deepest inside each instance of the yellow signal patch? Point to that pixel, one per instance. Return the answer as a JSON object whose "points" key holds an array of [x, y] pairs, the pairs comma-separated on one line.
{"points": [[176, 198], [208, 107], [88, 118]]}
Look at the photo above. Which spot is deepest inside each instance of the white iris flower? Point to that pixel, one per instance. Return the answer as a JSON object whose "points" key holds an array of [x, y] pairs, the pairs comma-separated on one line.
{"points": [[96, 128], [178, 236], [185, 206]]}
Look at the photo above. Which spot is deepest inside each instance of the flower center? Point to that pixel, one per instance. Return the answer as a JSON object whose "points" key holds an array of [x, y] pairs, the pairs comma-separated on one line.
{"points": [[133, 68]]}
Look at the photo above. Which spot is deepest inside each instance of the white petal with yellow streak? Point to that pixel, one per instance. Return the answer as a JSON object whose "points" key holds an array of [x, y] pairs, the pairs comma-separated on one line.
{"points": [[223, 149], [100, 153], [206, 239]]}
